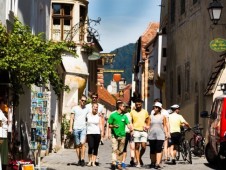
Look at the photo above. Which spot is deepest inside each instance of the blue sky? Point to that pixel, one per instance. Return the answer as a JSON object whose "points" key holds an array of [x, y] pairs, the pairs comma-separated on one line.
{"points": [[122, 21]]}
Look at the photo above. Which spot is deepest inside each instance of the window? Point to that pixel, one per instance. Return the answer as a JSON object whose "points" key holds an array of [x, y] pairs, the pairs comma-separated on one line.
{"points": [[62, 21], [83, 14], [178, 85], [172, 10], [187, 80], [164, 54], [171, 86], [182, 7]]}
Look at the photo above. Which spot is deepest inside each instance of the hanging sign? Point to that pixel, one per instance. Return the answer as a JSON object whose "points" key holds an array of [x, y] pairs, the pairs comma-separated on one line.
{"points": [[94, 56], [218, 45]]}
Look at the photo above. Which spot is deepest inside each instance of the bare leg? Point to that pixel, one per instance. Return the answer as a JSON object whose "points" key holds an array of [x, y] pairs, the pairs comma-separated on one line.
{"points": [[137, 152], [158, 158], [132, 149], [77, 149], [153, 158], [173, 152], [124, 156], [83, 148], [94, 157], [142, 151]]}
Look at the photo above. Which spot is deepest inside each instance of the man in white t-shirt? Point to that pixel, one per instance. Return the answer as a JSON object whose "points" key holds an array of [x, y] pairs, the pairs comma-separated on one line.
{"points": [[78, 127]]}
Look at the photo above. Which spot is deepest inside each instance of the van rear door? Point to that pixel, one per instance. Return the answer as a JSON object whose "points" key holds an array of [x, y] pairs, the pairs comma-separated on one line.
{"points": [[223, 122]]}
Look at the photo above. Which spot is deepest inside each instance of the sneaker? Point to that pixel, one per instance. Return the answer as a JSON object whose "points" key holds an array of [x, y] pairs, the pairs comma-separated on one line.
{"points": [[123, 165], [79, 163], [132, 163], [89, 164], [82, 162], [101, 142], [93, 164], [113, 167], [138, 166], [152, 165], [173, 161], [158, 167]]}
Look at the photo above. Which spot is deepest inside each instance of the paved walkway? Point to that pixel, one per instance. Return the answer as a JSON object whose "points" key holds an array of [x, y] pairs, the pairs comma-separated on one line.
{"points": [[59, 161]]}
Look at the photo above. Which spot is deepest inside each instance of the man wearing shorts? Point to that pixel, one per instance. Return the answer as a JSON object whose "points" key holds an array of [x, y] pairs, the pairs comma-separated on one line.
{"points": [[78, 122], [141, 122], [117, 122], [175, 121]]}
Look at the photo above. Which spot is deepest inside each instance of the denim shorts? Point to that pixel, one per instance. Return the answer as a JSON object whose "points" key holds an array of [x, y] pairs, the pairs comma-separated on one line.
{"points": [[79, 136]]}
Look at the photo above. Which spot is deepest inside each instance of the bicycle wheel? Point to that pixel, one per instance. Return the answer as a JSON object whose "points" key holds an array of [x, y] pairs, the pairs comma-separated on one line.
{"points": [[200, 148], [192, 144], [187, 152]]}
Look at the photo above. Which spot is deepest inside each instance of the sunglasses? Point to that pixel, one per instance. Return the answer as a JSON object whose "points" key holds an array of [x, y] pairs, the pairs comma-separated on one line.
{"points": [[83, 100], [94, 97]]}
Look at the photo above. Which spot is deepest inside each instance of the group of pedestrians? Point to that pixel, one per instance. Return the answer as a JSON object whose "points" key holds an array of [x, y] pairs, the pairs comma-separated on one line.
{"points": [[86, 124], [133, 126]]}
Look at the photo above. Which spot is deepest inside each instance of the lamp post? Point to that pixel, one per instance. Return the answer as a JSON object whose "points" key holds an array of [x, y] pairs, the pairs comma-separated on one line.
{"points": [[215, 9]]}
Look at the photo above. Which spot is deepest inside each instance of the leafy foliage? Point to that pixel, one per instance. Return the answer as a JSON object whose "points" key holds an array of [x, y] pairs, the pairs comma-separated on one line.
{"points": [[31, 59]]}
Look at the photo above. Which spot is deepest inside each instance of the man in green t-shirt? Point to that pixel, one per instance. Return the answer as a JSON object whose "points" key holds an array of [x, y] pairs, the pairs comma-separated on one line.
{"points": [[117, 122]]}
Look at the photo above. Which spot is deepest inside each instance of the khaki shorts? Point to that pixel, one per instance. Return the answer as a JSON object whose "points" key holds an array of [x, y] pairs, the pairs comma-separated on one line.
{"points": [[140, 136]]}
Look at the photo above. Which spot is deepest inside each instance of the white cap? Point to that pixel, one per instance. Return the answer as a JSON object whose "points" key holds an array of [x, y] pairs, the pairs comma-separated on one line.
{"points": [[175, 106], [169, 111], [158, 104]]}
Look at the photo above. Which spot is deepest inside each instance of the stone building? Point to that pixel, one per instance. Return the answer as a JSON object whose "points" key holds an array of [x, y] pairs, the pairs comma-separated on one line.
{"points": [[192, 68]]}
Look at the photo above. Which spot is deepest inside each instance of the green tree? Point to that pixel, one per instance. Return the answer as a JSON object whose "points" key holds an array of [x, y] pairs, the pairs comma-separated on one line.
{"points": [[31, 59]]}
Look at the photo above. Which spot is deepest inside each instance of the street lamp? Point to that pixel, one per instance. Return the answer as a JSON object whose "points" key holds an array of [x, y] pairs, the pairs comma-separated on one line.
{"points": [[215, 9]]}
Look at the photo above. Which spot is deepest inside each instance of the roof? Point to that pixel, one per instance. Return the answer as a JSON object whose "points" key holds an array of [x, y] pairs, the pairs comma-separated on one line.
{"points": [[105, 96], [149, 35], [215, 75], [109, 100]]}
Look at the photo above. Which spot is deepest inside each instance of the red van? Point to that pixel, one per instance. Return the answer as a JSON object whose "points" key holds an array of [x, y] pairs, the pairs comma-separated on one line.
{"points": [[215, 149]]}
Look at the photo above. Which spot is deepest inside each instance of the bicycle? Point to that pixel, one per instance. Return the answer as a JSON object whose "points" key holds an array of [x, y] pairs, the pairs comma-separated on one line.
{"points": [[184, 149], [197, 142]]}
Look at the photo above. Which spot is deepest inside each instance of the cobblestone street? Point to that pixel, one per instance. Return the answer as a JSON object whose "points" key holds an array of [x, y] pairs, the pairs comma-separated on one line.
{"points": [[59, 161]]}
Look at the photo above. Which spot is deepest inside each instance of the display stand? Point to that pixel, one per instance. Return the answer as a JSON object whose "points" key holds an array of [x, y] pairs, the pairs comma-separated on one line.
{"points": [[3, 135], [40, 111]]}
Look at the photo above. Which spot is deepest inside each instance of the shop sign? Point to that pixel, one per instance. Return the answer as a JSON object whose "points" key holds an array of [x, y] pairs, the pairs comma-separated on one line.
{"points": [[218, 45]]}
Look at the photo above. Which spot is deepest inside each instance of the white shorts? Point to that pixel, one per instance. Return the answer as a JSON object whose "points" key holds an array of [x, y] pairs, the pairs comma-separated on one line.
{"points": [[140, 136]]}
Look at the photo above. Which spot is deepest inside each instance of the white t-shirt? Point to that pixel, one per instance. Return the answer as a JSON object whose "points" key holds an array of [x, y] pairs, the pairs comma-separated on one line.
{"points": [[79, 117], [93, 124]]}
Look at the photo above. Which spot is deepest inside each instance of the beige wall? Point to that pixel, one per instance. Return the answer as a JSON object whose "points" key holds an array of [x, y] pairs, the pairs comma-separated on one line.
{"points": [[188, 41]]}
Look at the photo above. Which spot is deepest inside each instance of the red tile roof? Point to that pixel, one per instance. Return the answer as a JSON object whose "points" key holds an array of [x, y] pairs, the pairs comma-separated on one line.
{"points": [[109, 99], [105, 96], [149, 35]]}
